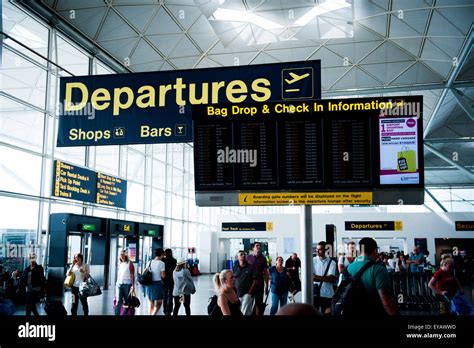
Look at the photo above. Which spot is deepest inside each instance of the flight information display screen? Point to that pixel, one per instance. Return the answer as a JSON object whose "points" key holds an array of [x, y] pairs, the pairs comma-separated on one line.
{"points": [[81, 184], [338, 151]]}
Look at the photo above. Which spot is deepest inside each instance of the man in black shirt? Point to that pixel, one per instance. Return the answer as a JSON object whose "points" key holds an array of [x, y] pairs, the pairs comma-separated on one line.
{"points": [[245, 282], [168, 283], [33, 283], [293, 265]]}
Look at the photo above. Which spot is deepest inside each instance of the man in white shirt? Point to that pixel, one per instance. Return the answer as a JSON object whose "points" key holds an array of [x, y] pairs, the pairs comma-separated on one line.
{"points": [[324, 275]]}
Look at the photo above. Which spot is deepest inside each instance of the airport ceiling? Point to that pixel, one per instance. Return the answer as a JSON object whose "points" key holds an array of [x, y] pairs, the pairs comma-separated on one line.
{"points": [[366, 48]]}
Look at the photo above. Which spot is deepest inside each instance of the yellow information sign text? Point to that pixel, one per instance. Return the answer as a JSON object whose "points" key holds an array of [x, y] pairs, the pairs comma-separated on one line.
{"points": [[309, 198]]}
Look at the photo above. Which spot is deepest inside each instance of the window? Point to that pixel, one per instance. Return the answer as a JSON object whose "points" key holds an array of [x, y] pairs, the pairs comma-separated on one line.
{"points": [[20, 125]]}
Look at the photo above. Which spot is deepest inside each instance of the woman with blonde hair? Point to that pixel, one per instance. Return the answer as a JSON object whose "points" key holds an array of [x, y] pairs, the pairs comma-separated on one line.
{"points": [[81, 273], [227, 299]]}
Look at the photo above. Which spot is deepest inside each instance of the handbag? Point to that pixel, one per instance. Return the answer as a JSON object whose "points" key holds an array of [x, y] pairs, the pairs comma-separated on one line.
{"points": [[131, 301], [89, 288], [146, 278], [189, 287], [70, 279]]}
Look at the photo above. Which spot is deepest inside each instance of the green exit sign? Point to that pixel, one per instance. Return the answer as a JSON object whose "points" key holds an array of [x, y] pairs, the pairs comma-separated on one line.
{"points": [[152, 232], [86, 227]]}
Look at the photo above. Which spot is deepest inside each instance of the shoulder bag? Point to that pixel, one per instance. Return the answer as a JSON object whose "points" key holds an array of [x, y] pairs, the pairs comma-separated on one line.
{"points": [[146, 278]]}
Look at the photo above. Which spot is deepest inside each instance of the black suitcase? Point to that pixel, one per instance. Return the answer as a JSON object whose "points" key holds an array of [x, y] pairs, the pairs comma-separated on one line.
{"points": [[55, 309]]}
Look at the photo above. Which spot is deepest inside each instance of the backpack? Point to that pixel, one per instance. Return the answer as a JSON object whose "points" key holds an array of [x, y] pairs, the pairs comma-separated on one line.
{"points": [[213, 308], [348, 299]]}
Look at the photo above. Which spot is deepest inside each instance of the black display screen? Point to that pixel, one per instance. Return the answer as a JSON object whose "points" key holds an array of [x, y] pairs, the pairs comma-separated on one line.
{"points": [[338, 145]]}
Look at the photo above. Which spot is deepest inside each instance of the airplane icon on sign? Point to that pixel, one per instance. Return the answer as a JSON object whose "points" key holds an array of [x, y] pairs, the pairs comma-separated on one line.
{"points": [[296, 78]]}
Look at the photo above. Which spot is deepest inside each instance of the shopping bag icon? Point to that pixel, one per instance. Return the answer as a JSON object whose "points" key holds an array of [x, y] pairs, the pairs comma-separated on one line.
{"points": [[406, 161]]}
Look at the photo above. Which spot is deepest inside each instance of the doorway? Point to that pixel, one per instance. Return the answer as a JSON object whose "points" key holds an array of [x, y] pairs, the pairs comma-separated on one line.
{"points": [[229, 247], [117, 243]]}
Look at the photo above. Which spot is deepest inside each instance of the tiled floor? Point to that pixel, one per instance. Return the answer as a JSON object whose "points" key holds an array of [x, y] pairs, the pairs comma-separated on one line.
{"points": [[102, 305]]}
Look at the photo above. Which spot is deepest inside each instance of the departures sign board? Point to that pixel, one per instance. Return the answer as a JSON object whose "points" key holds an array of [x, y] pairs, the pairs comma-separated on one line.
{"points": [[341, 151], [82, 184], [155, 107]]}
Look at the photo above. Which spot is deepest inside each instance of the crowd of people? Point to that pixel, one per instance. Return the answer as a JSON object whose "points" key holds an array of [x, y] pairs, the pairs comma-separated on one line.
{"points": [[245, 289]]}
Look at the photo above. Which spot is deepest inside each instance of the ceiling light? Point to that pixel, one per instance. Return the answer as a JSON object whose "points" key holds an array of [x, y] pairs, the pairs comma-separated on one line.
{"points": [[328, 6], [223, 14]]}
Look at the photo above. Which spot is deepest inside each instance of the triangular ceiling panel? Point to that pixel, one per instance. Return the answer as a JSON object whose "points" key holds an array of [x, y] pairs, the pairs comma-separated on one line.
{"points": [[127, 2], [184, 48], [162, 24], [165, 43], [333, 28], [330, 75], [207, 63], [418, 73], [204, 41], [442, 68], [185, 15], [416, 19], [291, 55], [386, 73], [138, 16], [356, 78], [144, 53], [166, 67], [328, 58], [201, 26], [412, 45], [467, 70], [308, 32], [115, 27], [121, 48], [75, 5], [408, 4], [264, 58], [368, 9], [440, 26], [400, 28], [432, 51], [461, 17], [291, 44], [151, 66], [361, 33], [450, 45], [365, 80], [378, 24], [230, 59], [184, 63], [218, 48], [388, 52], [354, 51], [347, 81], [86, 20]]}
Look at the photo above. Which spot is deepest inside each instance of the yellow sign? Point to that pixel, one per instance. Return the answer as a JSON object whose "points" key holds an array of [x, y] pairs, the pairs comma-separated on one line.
{"points": [[310, 198], [269, 226], [398, 225]]}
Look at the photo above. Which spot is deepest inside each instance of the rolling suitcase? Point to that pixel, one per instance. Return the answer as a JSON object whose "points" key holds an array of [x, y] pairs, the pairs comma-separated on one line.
{"points": [[54, 309]]}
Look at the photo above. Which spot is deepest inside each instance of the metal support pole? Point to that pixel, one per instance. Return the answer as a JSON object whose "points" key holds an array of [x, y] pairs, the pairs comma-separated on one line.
{"points": [[306, 230]]}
